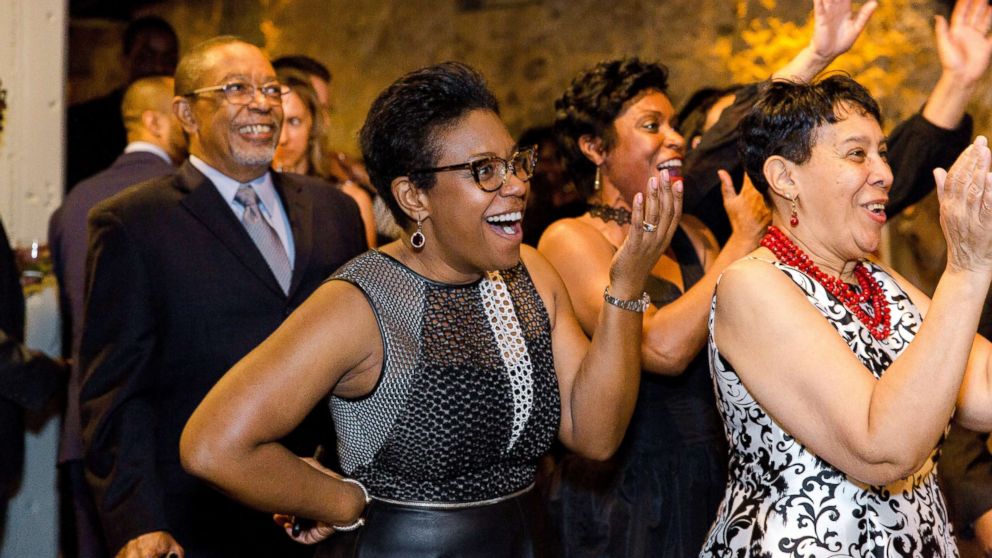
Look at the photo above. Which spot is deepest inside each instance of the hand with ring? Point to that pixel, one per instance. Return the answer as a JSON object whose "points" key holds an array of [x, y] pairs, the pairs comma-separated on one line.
{"points": [[654, 219]]}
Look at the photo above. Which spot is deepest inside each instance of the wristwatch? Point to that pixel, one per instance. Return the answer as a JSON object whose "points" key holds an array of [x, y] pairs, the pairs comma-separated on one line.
{"points": [[639, 305]]}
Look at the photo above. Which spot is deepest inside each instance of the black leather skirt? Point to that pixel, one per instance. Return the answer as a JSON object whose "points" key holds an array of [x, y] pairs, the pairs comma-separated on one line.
{"points": [[511, 528]]}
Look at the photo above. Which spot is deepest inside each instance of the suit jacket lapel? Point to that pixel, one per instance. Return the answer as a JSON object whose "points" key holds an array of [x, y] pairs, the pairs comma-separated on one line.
{"points": [[299, 208], [209, 207]]}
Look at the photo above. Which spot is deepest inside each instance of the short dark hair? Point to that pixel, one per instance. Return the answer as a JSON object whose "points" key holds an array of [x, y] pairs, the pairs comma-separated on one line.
{"points": [[402, 129], [302, 63], [143, 25], [785, 118], [592, 102], [190, 67]]}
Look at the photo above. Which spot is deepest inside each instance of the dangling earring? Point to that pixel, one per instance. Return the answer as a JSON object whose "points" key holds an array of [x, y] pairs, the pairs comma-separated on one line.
{"points": [[596, 184], [794, 218], [417, 239]]}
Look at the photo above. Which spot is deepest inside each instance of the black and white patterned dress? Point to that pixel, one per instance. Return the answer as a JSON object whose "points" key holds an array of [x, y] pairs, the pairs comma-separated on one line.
{"points": [[783, 500]]}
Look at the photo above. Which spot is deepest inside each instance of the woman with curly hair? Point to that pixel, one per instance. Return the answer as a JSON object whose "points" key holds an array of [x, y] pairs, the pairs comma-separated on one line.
{"points": [[659, 495]]}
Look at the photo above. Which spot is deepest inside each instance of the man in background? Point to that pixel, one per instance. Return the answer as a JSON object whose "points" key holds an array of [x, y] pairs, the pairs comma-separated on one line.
{"points": [[95, 133]]}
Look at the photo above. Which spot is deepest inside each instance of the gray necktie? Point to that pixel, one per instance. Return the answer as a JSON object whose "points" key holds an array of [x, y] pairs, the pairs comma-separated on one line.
{"points": [[265, 236]]}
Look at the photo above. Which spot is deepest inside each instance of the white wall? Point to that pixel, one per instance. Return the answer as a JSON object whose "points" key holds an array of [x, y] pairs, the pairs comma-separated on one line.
{"points": [[32, 69]]}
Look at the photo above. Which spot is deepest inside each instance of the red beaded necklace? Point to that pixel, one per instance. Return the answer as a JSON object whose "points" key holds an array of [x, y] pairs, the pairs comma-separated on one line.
{"points": [[871, 290]]}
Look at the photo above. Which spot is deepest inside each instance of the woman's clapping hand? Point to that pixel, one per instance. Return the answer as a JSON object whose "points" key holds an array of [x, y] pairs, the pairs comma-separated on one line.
{"points": [[965, 194], [653, 221]]}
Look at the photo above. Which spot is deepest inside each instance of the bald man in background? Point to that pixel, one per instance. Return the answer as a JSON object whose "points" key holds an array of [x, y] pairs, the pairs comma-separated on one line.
{"points": [[156, 144]]}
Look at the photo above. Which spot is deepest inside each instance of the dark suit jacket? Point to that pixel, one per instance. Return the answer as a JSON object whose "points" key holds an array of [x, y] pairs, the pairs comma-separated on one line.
{"points": [[67, 239], [177, 294], [27, 379], [95, 136]]}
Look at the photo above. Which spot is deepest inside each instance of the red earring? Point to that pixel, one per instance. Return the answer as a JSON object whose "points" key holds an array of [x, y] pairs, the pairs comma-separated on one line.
{"points": [[794, 218]]}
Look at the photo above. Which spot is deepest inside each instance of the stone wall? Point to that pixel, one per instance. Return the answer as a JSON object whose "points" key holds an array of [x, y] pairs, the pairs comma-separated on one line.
{"points": [[530, 50]]}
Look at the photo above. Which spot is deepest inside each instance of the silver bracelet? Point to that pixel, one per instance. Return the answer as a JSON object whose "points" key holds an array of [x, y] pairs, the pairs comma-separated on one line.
{"points": [[361, 518], [639, 305]]}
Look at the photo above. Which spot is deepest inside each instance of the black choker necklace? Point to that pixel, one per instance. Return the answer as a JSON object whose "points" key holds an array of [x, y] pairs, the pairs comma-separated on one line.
{"points": [[620, 215]]}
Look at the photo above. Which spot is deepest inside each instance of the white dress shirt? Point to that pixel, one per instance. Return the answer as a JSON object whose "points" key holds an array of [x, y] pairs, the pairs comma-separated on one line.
{"points": [[144, 146]]}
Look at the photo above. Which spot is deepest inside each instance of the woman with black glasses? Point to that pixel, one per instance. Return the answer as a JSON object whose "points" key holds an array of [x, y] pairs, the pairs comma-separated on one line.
{"points": [[452, 357]]}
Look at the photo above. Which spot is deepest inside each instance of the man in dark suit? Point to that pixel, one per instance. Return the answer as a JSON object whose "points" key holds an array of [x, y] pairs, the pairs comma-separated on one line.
{"points": [[95, 133], [156, 144], [185, 275]]}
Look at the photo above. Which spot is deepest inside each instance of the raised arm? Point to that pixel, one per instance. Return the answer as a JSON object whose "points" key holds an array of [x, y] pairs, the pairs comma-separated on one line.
{"points": [[598, 379], [936, 136], [964, 48], [811, 383], [835, 29], [675, 333]]}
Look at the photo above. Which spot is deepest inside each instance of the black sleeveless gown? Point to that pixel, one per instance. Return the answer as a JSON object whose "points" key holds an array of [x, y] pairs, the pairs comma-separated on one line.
{"points": [[658, 496]]}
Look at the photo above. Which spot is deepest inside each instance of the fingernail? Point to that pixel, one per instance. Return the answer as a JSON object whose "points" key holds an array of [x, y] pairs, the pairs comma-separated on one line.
{"points": [[678, 186], [653, 184], [665, 175], [639, 198]]}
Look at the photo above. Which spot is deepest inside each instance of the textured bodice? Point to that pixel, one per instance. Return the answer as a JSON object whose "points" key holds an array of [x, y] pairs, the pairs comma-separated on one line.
{"points": [[467, 398], [784, 500]]}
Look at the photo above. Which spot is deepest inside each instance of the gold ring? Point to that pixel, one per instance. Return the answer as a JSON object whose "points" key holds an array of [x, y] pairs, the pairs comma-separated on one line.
{"points": [[649, 227]]}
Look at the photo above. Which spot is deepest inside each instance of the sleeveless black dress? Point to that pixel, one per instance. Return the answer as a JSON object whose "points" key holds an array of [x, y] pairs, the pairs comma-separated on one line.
{"points": [[467, 401], [659, 494]]}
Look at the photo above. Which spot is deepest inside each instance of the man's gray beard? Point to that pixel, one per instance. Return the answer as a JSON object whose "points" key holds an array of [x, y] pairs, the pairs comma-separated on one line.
{"points": [[256, 159]]}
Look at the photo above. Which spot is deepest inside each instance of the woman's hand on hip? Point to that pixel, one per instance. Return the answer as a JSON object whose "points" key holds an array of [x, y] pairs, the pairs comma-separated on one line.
{"points": [[313, 532]]}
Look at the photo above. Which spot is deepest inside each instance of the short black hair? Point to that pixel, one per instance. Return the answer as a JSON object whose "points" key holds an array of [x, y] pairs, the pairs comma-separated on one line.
{"points": [[143, 25], [302, 63], [402, 129], [787, 114], [595, 98]]}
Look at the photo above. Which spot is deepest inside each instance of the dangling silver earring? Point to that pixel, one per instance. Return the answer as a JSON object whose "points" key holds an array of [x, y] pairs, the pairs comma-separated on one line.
{"points": [[596, 185], [417, 239]]}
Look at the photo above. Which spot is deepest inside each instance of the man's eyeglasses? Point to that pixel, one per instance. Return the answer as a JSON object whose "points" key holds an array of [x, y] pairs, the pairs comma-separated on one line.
{"points": [[490, 173], [241, 93]]}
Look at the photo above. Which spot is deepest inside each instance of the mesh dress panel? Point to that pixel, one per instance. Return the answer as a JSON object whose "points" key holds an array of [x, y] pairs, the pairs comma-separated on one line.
{"points": [[467, 399]]}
